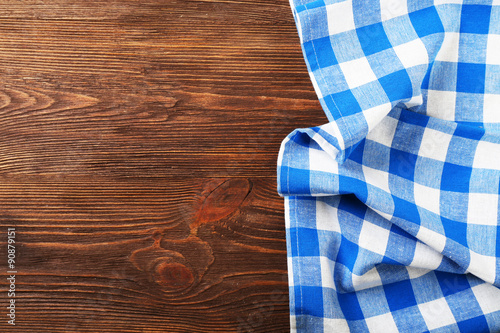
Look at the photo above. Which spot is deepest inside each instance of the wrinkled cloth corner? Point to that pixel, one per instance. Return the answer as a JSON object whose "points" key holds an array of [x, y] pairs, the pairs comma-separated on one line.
{"points": [[392, 207]]}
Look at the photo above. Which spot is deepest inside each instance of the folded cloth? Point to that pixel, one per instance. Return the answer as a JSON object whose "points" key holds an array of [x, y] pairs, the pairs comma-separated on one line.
{"points": [[392, 208]]}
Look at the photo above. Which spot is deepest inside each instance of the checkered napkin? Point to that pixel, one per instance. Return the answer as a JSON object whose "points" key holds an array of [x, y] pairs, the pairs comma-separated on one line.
{"points": [[392, 208]]}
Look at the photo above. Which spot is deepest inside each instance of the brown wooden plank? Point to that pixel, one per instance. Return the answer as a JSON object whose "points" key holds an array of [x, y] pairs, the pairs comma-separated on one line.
{"points": [[102, 255], [146, 95], [138, 147]]}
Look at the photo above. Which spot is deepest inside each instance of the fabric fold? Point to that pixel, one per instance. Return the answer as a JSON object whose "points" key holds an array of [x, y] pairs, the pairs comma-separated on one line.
{"points": [[392, 208]]}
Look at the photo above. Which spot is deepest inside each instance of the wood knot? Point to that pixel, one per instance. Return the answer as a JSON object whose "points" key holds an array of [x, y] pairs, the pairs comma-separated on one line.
{"points": [[173, 275], [223, 201], [175, 265]]}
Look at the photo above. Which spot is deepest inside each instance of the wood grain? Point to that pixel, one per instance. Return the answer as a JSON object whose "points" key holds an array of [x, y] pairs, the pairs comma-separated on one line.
{"points": [[138, 156]]}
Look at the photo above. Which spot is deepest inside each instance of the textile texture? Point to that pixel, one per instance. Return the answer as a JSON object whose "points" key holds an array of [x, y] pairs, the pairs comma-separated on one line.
{"points": [[392, 207]]}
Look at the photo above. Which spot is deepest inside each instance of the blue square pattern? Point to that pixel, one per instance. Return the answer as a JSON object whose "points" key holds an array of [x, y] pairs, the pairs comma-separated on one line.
{"points": [[311, 248], [455, 178], [326, 57], [300, 183], [471, 77], [476, 325], [350, 306], [397, 86], [352, 185], [406, 210], [309, 301], [400, 295], [345, 102], [352, 206], [474, 133], [426, 22], [357, 153], [456, 231], [348, 253], [475, 19], [373, 38], [402, 164], [451, 284], [310, 55]]}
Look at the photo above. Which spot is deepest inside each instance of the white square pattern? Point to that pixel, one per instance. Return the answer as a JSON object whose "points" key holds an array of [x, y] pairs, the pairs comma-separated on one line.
{"points": [[412, 54], [373, 238], [436, 314], [449, 49], [382, 324], [493, 50], [487, 296], [374, 115], [392, 8], [483, 267], [326, 217], [426, 257], [377, 178], [327, 267], [427, 198], [383, 133], [487, 156], [368, 280], [340, 17], [335, 325], [432, 238], [441, 104], [357, 72], [434, 145], [483, 209], [321, 161], [491, 111]]}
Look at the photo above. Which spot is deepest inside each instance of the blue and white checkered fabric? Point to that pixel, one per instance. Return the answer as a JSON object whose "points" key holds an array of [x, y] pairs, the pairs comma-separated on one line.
{"points": [[392, 208]]}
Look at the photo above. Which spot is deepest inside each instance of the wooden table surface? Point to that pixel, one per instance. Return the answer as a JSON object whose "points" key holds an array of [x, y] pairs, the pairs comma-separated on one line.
{"points": [[138, 153]]}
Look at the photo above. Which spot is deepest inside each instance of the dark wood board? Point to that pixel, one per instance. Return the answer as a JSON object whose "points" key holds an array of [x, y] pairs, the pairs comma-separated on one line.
{"points": [[138, 148]]}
